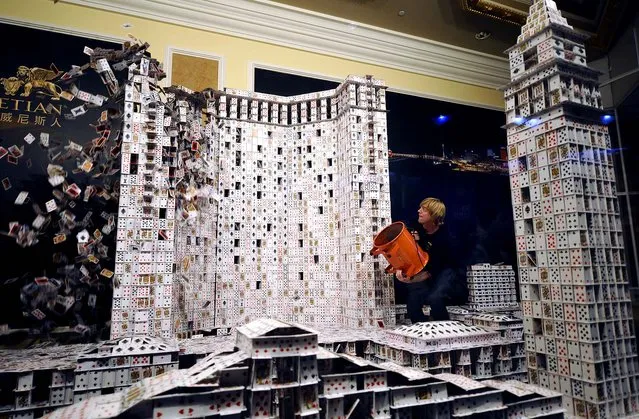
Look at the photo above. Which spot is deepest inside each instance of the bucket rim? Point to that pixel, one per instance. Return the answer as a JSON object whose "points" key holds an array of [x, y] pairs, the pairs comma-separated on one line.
{"points": [[386, 228]]}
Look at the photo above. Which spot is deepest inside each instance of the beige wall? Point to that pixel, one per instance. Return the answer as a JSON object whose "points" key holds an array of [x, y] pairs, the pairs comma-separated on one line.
{"points": [[237, 53]]}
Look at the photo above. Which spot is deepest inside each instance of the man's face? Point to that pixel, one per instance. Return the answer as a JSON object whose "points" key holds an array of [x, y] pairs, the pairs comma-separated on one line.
{"points": [[423, 216]]}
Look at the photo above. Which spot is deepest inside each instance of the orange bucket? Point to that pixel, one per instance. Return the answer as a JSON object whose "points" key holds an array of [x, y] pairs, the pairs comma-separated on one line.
{"points": [[400, 249]]}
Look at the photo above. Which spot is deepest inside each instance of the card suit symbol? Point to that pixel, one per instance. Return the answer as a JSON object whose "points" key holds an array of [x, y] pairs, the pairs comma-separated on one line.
{"points": [[181, 411], [158, 415]]}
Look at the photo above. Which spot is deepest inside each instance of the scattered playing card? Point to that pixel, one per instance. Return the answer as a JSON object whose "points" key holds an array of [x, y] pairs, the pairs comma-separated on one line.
{"points": [[44, 139], [3, 152], [6, 184], [29, 138], [39, 221], [21, 198], [106, 273], [73, 191], [16, 151], [79, 110], [87, 166], [56, 180], [83, 236], [51, 205], [38, 314]]}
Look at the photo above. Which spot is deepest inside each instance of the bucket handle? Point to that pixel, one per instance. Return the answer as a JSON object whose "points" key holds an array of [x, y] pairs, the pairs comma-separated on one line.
{"points": [[375, 251]]}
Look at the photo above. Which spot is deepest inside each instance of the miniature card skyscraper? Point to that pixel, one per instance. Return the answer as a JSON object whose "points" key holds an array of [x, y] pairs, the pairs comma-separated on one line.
{"points": [[577, 313], [239, 205]]}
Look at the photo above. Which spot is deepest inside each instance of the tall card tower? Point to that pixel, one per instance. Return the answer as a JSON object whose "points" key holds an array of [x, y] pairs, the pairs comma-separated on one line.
{"points": [[579, 330]]}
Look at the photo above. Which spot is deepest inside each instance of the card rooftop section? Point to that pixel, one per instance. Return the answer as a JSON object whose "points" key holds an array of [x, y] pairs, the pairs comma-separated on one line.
{"points": [[44, 379], [277, 369], [277, 199], [577, 313]]}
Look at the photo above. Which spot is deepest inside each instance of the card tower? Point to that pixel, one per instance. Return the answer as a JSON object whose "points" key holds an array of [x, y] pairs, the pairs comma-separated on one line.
{"points": [[578, 323]]}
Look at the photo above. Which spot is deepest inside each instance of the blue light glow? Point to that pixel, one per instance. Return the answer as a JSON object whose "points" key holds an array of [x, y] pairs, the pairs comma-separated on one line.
{"points": [[534, 122], [442, 119], [606, 119], [519, 120]]}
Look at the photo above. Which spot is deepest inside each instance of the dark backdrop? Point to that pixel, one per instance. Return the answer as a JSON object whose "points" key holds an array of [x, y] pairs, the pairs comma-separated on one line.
{"points": [[19, 266]]}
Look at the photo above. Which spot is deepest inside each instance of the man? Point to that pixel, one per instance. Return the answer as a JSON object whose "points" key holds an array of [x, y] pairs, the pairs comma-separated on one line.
{"points": [[438, 284]]}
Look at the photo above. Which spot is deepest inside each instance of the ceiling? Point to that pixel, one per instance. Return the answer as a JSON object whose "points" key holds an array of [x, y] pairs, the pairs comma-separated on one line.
{"points": [[456, 22]]}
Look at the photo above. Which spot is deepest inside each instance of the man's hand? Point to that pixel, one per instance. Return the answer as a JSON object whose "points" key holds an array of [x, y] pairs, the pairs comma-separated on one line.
{"points": [[422, 276], [400, 276]]}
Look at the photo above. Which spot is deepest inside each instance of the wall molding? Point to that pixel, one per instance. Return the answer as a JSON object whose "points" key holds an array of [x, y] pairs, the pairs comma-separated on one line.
{"points": [[254, 65], [168, 63], [288, 26]]}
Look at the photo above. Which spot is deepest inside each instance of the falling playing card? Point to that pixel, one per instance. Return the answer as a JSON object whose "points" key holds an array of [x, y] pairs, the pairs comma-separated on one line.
{"points": [[6, 184], [29, 138], [44, 139], [22, 196], [16, 151], [83, 236], [79, 110], [73, 191], [39, 221], [51, 205], [56, 180], [38, 314], [87, 166]]}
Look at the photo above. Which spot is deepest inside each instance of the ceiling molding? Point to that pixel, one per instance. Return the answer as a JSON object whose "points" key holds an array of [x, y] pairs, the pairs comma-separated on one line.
{"points": [[288, 26], [602, 29]]}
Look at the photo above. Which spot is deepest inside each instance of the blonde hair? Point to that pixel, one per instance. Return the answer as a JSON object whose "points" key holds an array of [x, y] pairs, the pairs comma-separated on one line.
{"points": [[435, 208]]}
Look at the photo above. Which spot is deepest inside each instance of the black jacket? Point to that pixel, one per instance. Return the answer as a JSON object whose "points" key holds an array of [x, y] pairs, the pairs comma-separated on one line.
{"points": [[439, 249]]}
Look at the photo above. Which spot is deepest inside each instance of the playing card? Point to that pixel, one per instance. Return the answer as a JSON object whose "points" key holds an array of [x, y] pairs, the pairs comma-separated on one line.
{"points": [[51, 205], [83, 96], [56, 180], [38, 314], [67, 95], [87, 166], [106, 273], [74, 146], [3, 152], [29, 138], [44, 139], [78, 110], [6, 184], [21, 198], [144, 66], [102, 65], [16, 151], [39, 221], [73, 191]]}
